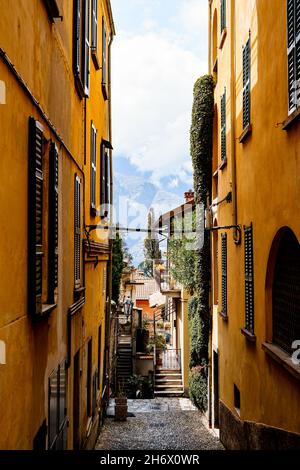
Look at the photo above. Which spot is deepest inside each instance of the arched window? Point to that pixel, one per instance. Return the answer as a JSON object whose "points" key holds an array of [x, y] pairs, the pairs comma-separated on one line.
{"points": [[286, 292]]}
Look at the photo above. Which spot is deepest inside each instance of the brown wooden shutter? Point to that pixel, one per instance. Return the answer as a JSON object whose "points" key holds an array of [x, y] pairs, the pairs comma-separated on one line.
{"points": [[77, 232], [53, 223], [35, 217], [249, 285], [93, 166], [76, 35], [224, 274]]}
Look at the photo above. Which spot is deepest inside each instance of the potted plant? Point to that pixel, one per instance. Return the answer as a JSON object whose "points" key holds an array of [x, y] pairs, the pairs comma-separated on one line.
{"points": [[121, 406]]}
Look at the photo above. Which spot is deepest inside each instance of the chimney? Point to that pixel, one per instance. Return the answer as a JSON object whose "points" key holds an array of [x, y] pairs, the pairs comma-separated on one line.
{"points": [[189, 196]]}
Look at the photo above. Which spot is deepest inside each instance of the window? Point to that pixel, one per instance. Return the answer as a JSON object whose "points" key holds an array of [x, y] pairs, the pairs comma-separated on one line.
{"points": [[77, 232], [293, 53], [89, 379], [94, 25], [223, 15], [93, 168], [286, 293], [99, 355], [57, 411], [52, 9], [223, 126], [81, 45], [249, 284], [35, 221], [53, 223], [246, 84], [224, 275], [105, 178], [94, 401], [237, 398], [104, 56]]}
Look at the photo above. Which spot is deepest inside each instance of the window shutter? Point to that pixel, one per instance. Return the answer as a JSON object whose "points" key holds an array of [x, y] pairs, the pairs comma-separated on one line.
{"points": [[246, 84], [86, 69], [93, 166], [35, 217], [107, 177], [223, 126], [249, 295], [223, 15], [94, 24], [102, 181], [293, 52], [76, 33], [103, 52], [224, 274], [53, 222], [77, 232]]}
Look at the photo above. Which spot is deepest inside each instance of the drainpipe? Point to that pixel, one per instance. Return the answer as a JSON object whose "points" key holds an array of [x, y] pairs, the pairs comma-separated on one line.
{"points": [[233, 120]]}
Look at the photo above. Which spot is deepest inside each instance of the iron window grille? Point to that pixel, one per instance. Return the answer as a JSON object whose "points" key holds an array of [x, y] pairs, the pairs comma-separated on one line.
{"points": [[249, 281], [223, 126], [246, 83], [293, 54], [224, 274]]}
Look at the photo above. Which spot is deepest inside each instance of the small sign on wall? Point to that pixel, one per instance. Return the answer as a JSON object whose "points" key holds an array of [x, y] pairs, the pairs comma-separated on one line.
{"points": [[2, 353]]}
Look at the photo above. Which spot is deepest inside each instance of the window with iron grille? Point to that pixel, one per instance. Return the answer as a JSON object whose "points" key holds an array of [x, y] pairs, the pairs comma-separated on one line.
{"points": [[249, 284], [246, 83], [77, 232], [293, 53], [35, 216], [93, 167], [89, 378], [224, 274], [53, 223], [223, 126], [286, 293], [99, 356], [223, 15], [94, 400], [57, 409]]}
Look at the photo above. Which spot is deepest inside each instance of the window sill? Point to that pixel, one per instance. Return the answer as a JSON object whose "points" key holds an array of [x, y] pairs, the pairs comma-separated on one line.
{"points": [[93, 212], [95, 59], [282, 358], [216, 173], [293, 118], [248, 335], [223, 37], [79, 292], [79, 86], [47, 309], [52, 10], [224, 316], [245, 134], [223, 164]]}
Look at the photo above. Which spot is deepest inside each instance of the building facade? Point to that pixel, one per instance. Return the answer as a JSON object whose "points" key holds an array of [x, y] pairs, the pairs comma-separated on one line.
{"points": [[56, 170], [255, 387]]}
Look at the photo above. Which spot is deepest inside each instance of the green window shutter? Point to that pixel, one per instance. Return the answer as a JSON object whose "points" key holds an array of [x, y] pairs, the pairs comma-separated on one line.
{"points": [[223, 15], [224, 274], [249, 285], [77, 232], [103, 52], [223, 126], [53, 223], [86, 50], [246, 83], [76, 35], [94, 25], [107, 177], [102, 180], [93, 166], [35, 216]]}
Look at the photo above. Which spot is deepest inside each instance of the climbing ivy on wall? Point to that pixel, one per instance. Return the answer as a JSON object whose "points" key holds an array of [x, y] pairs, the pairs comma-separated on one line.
{"points": [[199, 315]]}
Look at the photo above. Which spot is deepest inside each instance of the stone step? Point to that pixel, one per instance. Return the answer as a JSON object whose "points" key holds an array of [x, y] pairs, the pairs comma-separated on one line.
{"points": [[161, 370], [171, 387], [169, 381], [168, 393]]}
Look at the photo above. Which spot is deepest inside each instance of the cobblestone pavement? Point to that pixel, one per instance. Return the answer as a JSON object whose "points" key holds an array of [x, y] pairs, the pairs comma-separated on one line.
{"points": [[160, 424]]}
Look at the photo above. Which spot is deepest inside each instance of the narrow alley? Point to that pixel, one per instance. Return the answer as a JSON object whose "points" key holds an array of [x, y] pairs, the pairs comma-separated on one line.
{"points": [[160, 424]]}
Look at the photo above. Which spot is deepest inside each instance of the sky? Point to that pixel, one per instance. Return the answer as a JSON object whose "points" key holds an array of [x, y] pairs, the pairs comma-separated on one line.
{"points": [[159, 51]]}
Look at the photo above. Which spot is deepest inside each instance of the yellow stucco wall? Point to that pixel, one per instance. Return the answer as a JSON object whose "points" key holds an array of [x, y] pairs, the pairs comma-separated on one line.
{"points": [[41, 52], [268, 195]]}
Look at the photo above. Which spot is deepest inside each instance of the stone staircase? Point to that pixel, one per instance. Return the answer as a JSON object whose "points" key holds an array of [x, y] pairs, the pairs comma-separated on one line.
{"points": [[124, 363], [168, 383]]}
